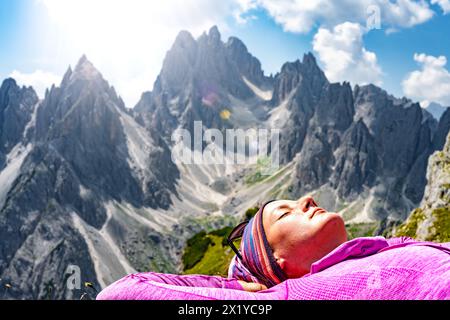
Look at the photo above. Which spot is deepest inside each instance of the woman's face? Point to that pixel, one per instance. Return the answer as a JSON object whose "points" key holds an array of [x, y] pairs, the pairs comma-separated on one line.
{"points": [[300, 233]]}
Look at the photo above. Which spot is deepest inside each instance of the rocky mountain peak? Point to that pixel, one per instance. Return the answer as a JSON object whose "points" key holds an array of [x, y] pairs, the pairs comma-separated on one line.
{"points": [[236, 44], [7, 84], [184, 40], [249, 66], [214, 34], [12, 95], [305, 74], [310, 65], [11, 90], [86, 70], [86, 78], [309, 59], [83, 90], [199, 73], [291, 67], [371, 93]]}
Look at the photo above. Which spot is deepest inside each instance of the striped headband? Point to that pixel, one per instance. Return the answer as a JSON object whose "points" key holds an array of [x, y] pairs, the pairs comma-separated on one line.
{"points": [[254, 261]]}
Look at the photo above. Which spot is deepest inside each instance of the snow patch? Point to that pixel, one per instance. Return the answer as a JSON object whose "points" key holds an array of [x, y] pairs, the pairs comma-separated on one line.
{"points": [[264, 95], [9, 174], [84, 193], [32, 122], [139, 143], [279, 116]]}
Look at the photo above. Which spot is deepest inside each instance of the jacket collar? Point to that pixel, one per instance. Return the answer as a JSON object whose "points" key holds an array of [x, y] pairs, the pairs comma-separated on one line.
{"points": [[356, 248]]}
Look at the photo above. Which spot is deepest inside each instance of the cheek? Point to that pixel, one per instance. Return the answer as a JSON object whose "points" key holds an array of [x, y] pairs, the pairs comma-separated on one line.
{"points": [[312, 232], [297, 230]]}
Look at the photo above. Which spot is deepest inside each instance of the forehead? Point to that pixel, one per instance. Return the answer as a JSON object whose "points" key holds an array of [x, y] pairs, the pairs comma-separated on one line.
{"points": [[276, 204], [271, 207]]}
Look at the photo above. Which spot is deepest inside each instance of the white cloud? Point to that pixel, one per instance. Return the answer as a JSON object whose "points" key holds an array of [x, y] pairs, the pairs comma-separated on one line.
{"points": [[444, 4], [128, 39], [38, 79], [240, 13], [301, 15], [431, 82], [344, 58]]}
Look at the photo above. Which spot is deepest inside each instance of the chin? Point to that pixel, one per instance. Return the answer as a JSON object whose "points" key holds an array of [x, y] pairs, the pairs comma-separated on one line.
{"points": [[330, 217], [335, 225]]}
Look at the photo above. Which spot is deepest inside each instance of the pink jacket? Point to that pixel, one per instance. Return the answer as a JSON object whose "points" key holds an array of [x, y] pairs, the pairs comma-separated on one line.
{"points": [[364, 268]]}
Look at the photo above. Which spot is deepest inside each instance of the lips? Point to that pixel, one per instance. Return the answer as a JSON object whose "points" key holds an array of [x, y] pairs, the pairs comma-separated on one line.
{"points": [[315, 211]]}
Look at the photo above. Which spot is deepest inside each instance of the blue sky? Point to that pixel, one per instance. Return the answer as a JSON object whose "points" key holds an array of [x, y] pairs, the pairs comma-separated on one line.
{"points": [[127, 40]]}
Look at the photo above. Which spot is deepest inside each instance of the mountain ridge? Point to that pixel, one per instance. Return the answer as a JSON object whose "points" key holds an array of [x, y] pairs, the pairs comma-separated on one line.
{"points": [[94, 182]]}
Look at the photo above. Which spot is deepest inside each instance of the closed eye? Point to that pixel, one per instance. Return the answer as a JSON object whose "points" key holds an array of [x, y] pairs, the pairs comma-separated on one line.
{"points": [[284, 214]]}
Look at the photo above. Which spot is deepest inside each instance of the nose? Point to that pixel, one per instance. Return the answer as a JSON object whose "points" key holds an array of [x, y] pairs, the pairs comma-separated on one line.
{"points": [[306, 202]]}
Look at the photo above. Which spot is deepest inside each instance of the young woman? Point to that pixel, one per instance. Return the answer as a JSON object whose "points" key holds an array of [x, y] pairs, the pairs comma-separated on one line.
{"points": [[297, 250]]}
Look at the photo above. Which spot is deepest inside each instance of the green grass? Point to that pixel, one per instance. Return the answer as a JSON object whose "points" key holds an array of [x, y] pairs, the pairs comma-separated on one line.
{"points": [[196, 249], [223, 233], [208, 253], [357, 230], [440, 230], [409, 228], [250, 213], [215, 260]]}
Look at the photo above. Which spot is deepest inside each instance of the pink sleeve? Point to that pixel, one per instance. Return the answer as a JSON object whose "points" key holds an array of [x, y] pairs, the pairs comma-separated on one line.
{"points": [[399, 240], [153, 286], [192, 280]]}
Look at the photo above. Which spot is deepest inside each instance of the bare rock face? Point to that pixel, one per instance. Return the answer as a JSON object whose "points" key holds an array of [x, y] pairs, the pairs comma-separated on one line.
{"points": [[299, 85], [356, 162], [248, 65], [86, 151], [431, 221], [16, 109], [355, 140], [333, 114], [304, 75], [402, 138], [443, 127], [201, 78]]}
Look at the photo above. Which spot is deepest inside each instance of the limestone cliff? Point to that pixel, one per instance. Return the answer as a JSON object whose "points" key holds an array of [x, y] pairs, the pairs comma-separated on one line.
{"points": [[431, 221]]}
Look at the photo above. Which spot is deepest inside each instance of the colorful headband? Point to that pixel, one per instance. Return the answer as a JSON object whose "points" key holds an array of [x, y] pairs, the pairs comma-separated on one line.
{"points": [[254, 262]]}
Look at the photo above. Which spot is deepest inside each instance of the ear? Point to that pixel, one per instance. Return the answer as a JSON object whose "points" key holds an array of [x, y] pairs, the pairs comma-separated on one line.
{"points": [[282, 263]]}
